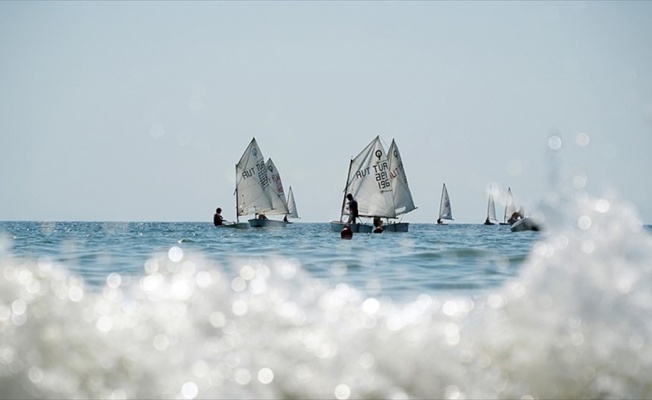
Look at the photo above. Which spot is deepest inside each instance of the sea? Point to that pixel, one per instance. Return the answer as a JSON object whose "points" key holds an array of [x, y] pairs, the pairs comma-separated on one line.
{"points": [[159, 310]]}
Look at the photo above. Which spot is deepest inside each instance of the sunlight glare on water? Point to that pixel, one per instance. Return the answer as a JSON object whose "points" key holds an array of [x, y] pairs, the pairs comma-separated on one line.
{"points": [[433, 318]]}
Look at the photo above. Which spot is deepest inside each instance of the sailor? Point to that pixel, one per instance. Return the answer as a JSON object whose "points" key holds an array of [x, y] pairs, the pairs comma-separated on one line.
{"points": [[378, 225], [353, 208], [217, 217], [346, 232], [514, 217]]}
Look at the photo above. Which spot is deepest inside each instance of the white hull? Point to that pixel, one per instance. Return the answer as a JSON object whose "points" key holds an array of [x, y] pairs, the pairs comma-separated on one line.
{"points": [[267, 223], [525, 224], [443, 221]]}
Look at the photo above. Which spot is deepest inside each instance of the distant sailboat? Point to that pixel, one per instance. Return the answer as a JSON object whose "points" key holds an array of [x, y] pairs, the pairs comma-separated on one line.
{"points": [[276, 192], [259, 190], [510, 207], [491, 211], [292, 205], [277, 197], [403, 201], [251, 182], [445, 211], [526, 224], [378, 182]]}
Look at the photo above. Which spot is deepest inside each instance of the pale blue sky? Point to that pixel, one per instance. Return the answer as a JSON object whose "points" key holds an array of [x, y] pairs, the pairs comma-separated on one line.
{"points": [[138, 111]]}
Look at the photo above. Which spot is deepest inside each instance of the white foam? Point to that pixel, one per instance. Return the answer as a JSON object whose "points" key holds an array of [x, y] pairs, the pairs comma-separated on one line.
{"points": [[573, 324]]}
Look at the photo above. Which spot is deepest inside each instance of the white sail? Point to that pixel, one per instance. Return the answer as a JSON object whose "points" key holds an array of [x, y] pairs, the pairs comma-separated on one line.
{"points": [[275, 190], [445, 211], [403, 202], [491, 209], [510, 205], [252, 182], [292, 205], [369, 182]]}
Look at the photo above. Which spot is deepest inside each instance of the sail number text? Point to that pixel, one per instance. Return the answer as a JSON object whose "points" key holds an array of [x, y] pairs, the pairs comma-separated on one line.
{"points": [[381, 174], [262, 173]]}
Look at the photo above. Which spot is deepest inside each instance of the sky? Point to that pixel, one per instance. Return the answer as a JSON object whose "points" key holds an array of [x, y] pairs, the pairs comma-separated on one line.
{"points": [[139, 111]]}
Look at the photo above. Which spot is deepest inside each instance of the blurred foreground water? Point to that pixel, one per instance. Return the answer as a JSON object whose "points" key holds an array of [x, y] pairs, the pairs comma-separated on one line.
{"points": [[186, 310]]}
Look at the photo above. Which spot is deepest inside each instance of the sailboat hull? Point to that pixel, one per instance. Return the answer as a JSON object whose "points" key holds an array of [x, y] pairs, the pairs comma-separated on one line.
{"points": [[267, 223], [235, 225], [336, 226], [397, 227], [525, 224]]}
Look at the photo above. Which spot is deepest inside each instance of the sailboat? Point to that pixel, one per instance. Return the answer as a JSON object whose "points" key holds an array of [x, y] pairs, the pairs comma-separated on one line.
{"points": [[510, 207], [292, 205], [277, 197], [491, 211], [515, 217], [526, 224], [259, 189], [378, 182], [403, 201], [445, 211]]}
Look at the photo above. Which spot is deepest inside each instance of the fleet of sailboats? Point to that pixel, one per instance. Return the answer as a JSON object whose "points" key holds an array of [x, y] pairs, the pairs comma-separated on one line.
{"points": [[378, 182], [376, 179]]}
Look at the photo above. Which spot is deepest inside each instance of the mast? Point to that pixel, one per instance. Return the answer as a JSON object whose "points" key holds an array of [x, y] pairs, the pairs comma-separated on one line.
{"points": [[491, 208], [292, 206], [441, 201], [237, 214], [510, 207], [346, 188]]}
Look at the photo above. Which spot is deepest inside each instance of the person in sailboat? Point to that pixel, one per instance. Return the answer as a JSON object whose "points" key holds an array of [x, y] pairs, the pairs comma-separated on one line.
{"points": [[440, 221], [515, 217], [217, 217], [378, 225], [262, 216], [487, 222], [285, 218], [353, 209], [346, 232]]}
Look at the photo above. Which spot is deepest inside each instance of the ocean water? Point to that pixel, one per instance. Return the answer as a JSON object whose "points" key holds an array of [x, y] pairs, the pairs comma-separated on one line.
{"points": [[427, 259], [187, 310]]}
